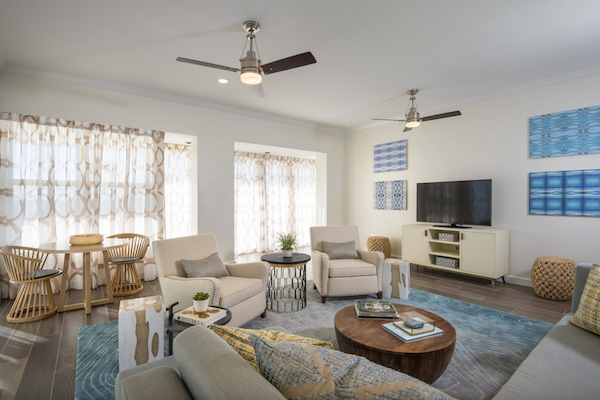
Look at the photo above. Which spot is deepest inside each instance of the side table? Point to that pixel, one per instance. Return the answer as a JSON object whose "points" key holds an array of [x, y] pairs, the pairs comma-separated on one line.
{"points": [[174, 326], [396, 278], [286, 287]]}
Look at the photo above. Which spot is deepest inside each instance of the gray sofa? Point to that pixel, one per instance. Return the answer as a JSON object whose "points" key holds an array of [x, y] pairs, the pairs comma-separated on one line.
{"points": [[210, 368], [564, 365]]}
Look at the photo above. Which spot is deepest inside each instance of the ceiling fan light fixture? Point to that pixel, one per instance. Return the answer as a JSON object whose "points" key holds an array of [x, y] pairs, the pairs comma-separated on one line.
{"points": [[250, 71], [251, 78], [412, 124]]}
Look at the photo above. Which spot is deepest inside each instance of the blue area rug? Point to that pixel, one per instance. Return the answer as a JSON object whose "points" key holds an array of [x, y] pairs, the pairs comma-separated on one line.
{"points": [[490, 344]]}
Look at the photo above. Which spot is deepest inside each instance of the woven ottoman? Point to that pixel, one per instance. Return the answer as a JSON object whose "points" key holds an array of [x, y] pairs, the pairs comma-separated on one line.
{"points": [[380, 243], [553, 278]]}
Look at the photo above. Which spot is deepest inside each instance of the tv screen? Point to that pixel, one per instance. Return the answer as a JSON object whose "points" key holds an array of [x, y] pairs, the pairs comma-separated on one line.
{"points": [[455, 203]]}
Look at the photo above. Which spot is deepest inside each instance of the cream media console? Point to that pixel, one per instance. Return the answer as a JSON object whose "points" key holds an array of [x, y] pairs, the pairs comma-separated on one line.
{"points": [[478, 252]]}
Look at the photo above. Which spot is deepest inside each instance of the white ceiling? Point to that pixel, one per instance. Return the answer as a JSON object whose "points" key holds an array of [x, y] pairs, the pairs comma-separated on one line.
{"points": [[369, 53]]}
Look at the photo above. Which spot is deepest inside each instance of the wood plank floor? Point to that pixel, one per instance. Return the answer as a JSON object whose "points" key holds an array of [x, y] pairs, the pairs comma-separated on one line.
{"points": [[37, 359]]}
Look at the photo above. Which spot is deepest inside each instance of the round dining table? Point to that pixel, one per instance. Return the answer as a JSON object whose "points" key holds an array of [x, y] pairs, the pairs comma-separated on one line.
{"points": [[67, 249]]}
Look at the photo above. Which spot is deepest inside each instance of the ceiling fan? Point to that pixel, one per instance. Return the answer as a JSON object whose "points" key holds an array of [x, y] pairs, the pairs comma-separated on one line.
{"points": [[251, 67], [413, 118]]}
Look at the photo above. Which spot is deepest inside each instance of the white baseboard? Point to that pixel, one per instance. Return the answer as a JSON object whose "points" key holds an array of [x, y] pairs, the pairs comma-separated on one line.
{"points": [[515, 280]]}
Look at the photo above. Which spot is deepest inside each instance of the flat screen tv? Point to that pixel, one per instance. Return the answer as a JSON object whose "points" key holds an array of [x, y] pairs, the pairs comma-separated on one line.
{"points": [[455, 203]]}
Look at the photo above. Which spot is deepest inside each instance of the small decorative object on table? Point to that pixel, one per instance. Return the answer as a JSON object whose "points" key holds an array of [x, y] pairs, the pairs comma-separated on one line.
{"points": [[375, 309], [287, 242], [414, 323], [86, 239], [201, 303]]}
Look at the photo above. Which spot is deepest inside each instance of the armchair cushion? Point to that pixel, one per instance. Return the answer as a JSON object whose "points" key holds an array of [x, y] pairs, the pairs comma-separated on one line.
{"points": [[211, 266], [344, 268], [340, 251], [235, 289]]}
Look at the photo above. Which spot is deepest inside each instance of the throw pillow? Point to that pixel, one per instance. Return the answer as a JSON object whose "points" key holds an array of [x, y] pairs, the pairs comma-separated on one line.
{"points": [[299, 371], [587, 315], [239, 339], [340, 251], [211, 266]]}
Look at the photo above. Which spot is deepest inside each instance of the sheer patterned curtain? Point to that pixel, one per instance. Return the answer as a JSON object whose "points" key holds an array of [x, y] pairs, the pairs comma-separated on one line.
{"points": [[59, 178], [272, 194], [178, 185]]}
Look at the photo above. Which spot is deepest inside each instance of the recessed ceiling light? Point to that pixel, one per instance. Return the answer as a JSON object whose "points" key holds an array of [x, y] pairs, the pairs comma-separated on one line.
{"points": [[222, 80], [348, 122]]}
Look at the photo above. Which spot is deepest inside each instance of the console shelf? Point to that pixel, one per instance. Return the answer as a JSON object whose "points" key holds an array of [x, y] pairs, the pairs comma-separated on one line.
{"points": [[477, 252]]}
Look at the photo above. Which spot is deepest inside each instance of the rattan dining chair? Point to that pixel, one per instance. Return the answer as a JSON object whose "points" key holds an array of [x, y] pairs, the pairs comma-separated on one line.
{"points": [[34, 299], [125, 279]]}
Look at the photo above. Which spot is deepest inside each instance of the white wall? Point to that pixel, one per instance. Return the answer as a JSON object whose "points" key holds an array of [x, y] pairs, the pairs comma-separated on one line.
{"points": [[215, 130], [490, 140]]}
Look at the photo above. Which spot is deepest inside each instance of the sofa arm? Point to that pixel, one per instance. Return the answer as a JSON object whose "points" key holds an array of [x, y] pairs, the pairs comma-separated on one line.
{"points": [[176, 288], [258, 270], [581, 276], [160, 382]]}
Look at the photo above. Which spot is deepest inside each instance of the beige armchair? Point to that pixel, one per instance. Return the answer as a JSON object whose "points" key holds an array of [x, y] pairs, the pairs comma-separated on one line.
{"points": [[344, 277], [242, 292]]}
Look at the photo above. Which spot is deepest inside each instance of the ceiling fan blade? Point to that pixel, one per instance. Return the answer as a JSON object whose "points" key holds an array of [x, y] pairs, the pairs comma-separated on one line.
{"points": [[206, 64], [257, 91], [299, 60], [407, 129], [385, 119], [440, 116]]}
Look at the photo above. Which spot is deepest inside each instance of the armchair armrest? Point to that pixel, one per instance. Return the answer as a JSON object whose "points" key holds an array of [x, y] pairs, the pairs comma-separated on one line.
{"points": [[376, 258], [320, 263], [177, 288], [259, 270]]}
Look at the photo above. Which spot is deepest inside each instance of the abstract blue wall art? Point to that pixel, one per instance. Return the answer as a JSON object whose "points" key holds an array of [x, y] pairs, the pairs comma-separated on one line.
{"points": [[566, 133], [390, 195], [571, 193], [390, 156]]}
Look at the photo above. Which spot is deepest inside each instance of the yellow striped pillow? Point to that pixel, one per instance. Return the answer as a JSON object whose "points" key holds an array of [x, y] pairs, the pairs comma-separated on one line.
{"points": [[588, 312], [239, 339]]}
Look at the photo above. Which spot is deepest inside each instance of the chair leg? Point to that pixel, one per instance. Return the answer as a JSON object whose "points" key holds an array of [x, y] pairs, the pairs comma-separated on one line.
{"points": [[264, 314], [125, 280], [34, 301], [380, 295], [323, 299]]}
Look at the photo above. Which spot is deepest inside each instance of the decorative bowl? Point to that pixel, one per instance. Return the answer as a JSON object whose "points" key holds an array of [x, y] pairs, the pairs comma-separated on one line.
{"points": [[86, 239]]}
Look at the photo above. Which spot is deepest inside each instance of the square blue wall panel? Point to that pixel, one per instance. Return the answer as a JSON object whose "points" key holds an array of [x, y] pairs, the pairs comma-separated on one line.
{"points": [[390, 195], [571, 193], [390, 156], [565, 133]]}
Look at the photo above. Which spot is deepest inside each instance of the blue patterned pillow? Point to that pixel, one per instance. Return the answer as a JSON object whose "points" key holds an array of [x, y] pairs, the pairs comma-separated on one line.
{"points": [[301, 371]]}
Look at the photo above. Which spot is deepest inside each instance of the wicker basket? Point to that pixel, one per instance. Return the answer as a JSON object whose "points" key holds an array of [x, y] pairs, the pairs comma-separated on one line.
{"points": [[380, 243], [553, 278]]}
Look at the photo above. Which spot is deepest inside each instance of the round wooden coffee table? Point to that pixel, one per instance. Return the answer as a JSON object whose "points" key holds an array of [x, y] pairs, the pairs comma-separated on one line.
{"points": [[425, 359]]}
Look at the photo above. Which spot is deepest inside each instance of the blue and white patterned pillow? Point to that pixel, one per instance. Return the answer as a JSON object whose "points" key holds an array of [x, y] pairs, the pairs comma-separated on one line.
{"points": [[301, 371]]}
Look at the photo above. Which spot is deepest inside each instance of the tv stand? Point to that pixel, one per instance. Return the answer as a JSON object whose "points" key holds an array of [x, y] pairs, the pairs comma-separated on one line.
{"points": [[478, 252], [454, 226]]}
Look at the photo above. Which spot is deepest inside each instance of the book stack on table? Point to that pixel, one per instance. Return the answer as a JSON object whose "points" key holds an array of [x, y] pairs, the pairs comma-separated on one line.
{"points": [[412, 326], [375, 309], [190, 317]]}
